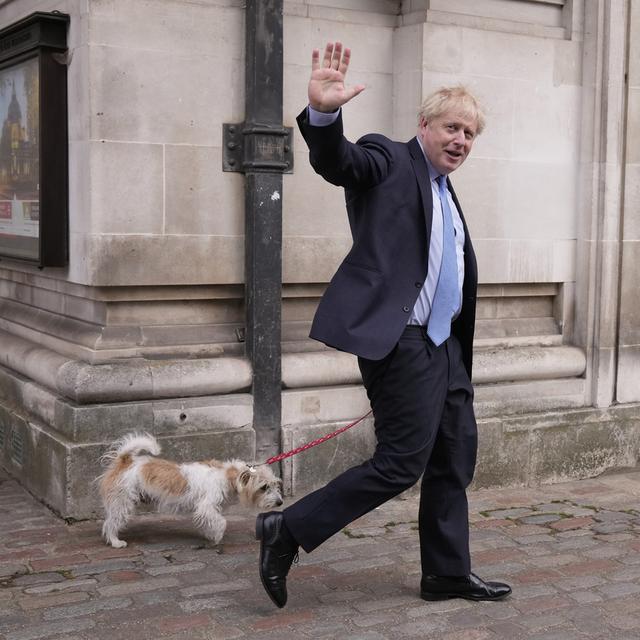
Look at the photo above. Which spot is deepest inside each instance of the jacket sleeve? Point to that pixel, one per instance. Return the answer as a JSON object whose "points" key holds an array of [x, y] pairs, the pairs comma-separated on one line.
{"points": [[353, 166]]}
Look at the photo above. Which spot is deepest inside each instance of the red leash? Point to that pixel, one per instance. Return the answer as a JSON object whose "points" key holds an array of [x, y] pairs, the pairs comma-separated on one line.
{"points": [[304, 447]]}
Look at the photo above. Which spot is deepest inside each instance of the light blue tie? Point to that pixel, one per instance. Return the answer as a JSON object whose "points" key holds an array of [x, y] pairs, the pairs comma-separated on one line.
{"points": [[447, 295]]}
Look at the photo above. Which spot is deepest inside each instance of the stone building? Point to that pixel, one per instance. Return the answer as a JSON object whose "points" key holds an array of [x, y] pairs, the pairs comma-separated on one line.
{"points": [[143, 329]]}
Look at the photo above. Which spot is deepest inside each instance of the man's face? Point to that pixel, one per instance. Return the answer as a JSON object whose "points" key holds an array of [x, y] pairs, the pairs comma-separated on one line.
{"points": [[447, 140]]}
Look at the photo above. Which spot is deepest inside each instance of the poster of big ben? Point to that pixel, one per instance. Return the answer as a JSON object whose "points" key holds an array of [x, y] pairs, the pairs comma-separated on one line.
{"points": [[19, 156]]}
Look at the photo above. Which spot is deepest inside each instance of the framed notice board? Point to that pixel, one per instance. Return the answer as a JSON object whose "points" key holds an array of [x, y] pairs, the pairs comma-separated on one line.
{"points": [[33, 140]]}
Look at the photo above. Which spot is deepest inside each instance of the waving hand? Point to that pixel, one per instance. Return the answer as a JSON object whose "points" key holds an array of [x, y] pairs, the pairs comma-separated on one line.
{"points": [[327, 90]]}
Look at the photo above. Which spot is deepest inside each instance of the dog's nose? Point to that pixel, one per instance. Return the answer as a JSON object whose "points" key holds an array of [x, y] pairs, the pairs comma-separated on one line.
{"points": [[279, 502]]}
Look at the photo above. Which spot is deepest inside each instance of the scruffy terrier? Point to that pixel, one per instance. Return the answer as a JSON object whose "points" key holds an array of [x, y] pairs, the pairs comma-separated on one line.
{"points": [[200, 488]]}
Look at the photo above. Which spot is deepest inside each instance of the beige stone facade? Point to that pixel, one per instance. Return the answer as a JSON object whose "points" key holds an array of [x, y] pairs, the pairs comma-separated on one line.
{"points": [[140, 331]]}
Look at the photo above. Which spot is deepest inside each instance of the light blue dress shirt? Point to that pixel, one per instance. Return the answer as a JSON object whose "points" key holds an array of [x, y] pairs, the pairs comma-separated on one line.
{"points": [[422, 308]]}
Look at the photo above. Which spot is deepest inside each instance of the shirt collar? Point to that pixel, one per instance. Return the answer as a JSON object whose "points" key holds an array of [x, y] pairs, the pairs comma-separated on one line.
{"points": [[433, 174]]}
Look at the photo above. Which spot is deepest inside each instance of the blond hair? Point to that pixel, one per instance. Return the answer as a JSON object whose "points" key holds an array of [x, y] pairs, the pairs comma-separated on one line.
{"points": [[457, 98]]}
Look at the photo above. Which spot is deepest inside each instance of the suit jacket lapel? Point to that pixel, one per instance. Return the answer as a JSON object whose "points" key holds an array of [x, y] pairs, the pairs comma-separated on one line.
{"points": [[424, 183], [470, 267]]}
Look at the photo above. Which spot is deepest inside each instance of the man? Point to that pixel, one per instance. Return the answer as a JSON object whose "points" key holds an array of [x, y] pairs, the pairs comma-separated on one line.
{"points": [[403, 301]]}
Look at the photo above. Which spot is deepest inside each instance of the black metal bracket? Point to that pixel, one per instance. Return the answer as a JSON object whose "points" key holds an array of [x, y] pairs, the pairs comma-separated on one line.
{"points": [[257, 147]]}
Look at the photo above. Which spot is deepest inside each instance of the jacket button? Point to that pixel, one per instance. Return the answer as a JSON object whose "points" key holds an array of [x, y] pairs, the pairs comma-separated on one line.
{"points": [[418, 285], [405, 309]]}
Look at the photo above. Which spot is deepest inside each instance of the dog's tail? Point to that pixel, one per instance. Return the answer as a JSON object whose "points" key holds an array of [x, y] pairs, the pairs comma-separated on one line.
{"points": [[132, 444]]}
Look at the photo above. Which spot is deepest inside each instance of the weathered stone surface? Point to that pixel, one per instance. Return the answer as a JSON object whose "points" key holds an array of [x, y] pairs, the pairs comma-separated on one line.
{"points": [[61, 472]]}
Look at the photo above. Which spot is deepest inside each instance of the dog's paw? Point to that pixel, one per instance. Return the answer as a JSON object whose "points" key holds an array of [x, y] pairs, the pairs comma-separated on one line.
{"points": [[210, 545], [118, 544]]}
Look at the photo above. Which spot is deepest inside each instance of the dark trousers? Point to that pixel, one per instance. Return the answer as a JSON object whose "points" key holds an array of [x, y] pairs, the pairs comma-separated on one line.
{"points": [[422, 403]]}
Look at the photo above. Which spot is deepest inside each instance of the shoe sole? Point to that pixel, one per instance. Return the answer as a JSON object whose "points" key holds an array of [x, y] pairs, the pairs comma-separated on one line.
{"points": [[434, 597], [260, 536]]}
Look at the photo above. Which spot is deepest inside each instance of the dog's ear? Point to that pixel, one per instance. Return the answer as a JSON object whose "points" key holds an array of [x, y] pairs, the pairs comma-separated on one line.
{"points": [[244, 477]]}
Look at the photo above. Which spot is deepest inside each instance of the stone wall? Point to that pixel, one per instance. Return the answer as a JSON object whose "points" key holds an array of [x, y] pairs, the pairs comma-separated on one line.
{"points": [[141, 331]]}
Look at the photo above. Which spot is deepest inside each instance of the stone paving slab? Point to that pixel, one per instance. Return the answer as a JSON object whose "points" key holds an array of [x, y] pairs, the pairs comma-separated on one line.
{"points": [[571, 552]]}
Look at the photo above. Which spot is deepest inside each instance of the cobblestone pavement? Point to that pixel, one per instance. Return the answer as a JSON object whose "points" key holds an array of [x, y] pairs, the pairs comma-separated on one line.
{"points": [[571, 552]]}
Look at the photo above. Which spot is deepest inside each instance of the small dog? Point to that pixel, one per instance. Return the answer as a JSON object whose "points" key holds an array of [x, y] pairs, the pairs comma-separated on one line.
{"points": [[200, 488]]}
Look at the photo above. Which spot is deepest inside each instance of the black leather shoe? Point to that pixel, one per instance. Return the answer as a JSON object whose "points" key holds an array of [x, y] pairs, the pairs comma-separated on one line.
{"points": [[469, 587], [278, 550]]}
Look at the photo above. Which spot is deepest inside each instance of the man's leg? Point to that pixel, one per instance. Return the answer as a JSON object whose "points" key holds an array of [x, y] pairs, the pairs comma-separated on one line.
{"points": [[444, 512], [407, 391]]}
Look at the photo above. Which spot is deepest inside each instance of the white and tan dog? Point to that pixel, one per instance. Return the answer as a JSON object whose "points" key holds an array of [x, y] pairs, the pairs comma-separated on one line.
{"points": [[201, 488]]}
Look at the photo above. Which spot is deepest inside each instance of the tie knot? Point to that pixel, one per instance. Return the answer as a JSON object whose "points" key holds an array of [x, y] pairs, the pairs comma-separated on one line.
{"points": [[442, 183]]}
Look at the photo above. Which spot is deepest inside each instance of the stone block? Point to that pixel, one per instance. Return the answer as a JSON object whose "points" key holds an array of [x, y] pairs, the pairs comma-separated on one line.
{"points": [[631, 220], [295, 81], [294, 8], [634, 46], [149, 97], [527, 363], [313, 468], [516, 332], [540, 200], [628, 389], [148, 260], [531, 396], [408, 48], [372, 110], [309, 259], [84, 308], [541, 261], [515, 261], [125, 379], [200, 198], [533, 13], [480, 186], [528, 57], [78, 96], [79, 186], [360, 16], [532, 307], [61, 473], [210, 29], [126, 188], [633, 126], [503, 457], [629, 310], [407, 79], [170, 418], [567, 67], [319, 369], [407, 98], [582, 443], [497, 96], [608, 291], [371, 6], [604, 372], [323, 405], [369, 36], [564, 262], [442, 48], [299, 41], [311, 206], [546, 122]]}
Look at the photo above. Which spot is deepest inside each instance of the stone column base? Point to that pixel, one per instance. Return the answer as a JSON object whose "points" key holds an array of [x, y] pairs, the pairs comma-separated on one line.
{"points": [[53, 446]]}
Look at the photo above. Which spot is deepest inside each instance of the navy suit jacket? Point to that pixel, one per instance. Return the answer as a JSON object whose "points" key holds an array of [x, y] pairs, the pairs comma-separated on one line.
{"points": [[388, 195]]}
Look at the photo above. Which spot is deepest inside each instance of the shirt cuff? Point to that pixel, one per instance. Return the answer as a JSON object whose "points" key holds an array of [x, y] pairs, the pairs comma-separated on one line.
{"points": [[321, 119]]}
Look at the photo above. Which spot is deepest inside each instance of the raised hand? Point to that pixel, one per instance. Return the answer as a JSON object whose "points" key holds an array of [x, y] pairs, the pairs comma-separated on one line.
{"points": [[327, 90]]}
